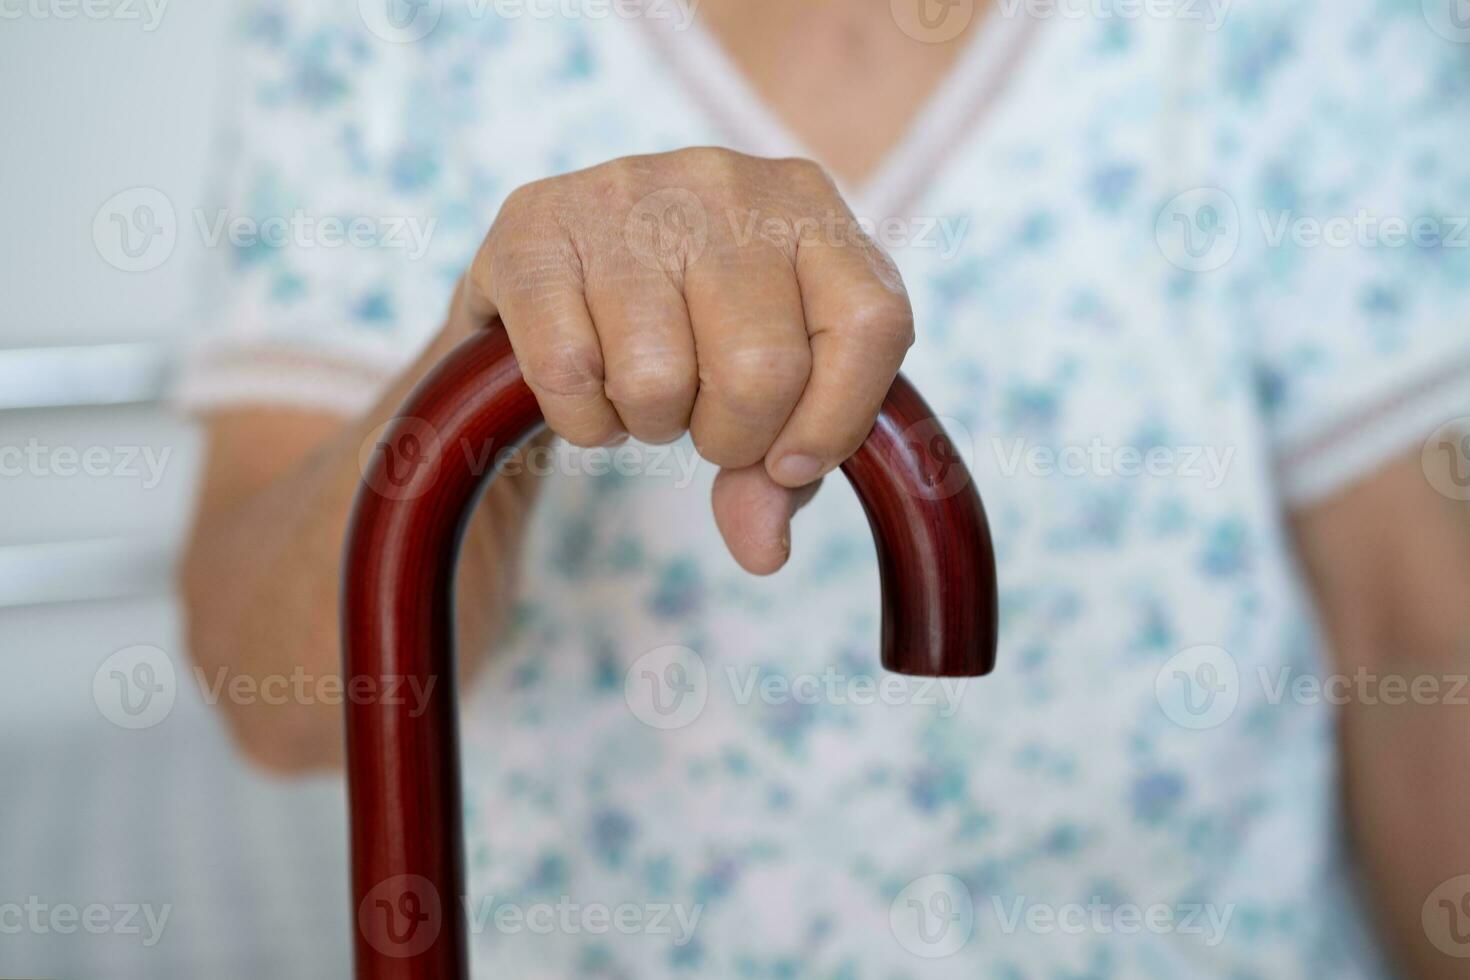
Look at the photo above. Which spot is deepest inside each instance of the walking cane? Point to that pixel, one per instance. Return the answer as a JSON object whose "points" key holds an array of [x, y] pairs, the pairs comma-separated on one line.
{"points": [[936, 567]]}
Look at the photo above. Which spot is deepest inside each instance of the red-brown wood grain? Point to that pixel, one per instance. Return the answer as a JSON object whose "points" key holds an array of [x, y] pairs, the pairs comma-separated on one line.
{"points": [[421, 480]]}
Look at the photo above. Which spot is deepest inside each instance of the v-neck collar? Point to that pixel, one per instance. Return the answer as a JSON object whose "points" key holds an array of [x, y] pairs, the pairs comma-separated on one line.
{"points": [[946, 120]]}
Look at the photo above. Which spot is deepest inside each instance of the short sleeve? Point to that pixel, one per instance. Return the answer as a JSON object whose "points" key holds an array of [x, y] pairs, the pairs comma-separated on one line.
{"points": [[1354, 279], [329, 267]]}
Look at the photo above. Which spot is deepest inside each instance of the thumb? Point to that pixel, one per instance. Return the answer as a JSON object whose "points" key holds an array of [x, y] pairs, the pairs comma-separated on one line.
{"points": [[753, 513]]}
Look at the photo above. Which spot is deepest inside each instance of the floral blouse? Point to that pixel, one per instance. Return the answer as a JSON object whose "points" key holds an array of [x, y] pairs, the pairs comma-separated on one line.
{"points": [[1177, 269]]}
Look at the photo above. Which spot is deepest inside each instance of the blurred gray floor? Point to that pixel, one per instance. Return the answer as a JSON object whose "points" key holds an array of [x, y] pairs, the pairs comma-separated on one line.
{"points": [[252, 871]]}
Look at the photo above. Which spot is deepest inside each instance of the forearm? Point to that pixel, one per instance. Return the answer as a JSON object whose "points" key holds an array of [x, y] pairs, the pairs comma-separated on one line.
{"points": [[1391, 564], [261, 578], [1406, 750]]}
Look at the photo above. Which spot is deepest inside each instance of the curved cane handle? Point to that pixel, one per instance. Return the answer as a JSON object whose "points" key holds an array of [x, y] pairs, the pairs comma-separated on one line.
{"points": [[420, 486]]}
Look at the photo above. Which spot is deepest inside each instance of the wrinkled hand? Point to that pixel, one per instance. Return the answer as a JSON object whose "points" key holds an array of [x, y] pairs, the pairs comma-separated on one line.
{"points": [[703, 290]]}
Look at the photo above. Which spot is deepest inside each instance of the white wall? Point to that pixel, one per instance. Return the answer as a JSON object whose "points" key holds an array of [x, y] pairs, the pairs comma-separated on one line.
{"points": [[94, 106], [91, 108]]}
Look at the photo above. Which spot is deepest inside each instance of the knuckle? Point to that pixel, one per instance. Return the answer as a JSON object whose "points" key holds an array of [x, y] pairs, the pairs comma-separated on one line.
{"points": [[759, 380], [564, 369], [887, 320], [523, 201], [653, 383], [516, 201], [617, 180], [712, 172], [714, 162], [806, 174]]}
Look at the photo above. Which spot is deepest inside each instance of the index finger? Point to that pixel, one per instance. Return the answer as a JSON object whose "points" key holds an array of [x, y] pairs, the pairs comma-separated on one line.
{"points": [[860, 325]]}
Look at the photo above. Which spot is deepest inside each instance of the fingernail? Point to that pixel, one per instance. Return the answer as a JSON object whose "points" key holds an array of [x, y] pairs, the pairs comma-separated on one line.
{"points": [[796, 469]]}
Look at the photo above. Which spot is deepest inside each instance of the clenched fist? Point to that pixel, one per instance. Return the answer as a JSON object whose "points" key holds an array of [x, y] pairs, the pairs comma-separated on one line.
{"points": [[703, 290]]}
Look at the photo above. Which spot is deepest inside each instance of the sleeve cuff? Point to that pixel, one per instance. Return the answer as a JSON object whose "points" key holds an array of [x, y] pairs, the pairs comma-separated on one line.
{"points": [[280, 377], [1388, 422]]}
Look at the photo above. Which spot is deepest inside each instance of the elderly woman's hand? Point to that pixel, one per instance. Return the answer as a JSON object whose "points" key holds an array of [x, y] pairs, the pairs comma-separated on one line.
{"points": [[703, 290]]}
